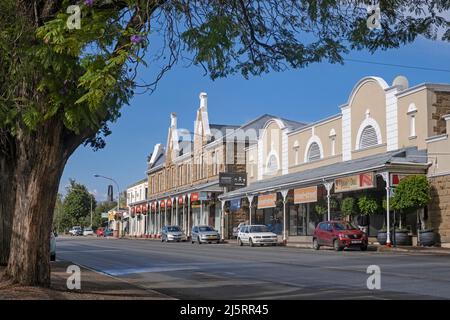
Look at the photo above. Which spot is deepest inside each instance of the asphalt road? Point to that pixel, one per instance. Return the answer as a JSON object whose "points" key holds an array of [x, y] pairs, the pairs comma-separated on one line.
{"points": [[226, 271]]}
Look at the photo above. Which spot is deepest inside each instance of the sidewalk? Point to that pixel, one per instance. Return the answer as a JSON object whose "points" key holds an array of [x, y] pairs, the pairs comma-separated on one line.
{"points": [[94, 286]]}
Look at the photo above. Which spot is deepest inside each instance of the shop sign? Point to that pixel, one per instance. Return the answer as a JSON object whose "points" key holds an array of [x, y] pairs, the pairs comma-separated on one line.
{"points": [[267, 201], [355, 182], [396, 178], [104, 215], [194, 197], [228, 179], [204, 196], [235, 204], [305, 195]]}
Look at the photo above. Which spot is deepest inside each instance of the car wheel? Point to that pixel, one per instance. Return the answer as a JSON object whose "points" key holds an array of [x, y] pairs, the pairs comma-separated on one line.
{"points": [[198, 240], [53, 257], [240, 242], [363, 247], [250, 241], [316, 245], [336, 246]]}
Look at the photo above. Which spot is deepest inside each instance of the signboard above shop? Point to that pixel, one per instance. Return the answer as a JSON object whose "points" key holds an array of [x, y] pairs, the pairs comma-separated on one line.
{"points": [[305, 195], [227, 179], [355, 182], [267, 201]]}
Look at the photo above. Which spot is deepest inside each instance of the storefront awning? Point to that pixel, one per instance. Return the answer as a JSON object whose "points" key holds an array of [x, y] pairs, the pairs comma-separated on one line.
{"points": [[408, 159], [205, 187]]}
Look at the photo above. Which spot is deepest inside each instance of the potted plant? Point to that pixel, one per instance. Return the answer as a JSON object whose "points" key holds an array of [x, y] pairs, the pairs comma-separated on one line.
{"points": [[414, 193]]}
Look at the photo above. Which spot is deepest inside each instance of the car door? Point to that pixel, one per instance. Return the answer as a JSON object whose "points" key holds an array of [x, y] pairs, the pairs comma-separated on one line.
{"points": [[328, 234], [194, 233], [244, 234], [320, 233]]}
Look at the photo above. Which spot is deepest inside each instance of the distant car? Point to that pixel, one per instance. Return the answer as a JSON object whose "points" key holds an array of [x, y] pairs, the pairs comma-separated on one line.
{"points": [[256, 235], [76, 231], [88, 232], [236, 229], [339, 235], [172, 233], [52, 247], [107, 232], [204, 234], [100, 232]]}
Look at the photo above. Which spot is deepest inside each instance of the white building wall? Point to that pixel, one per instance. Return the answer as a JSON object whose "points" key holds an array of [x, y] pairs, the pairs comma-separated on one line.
{"points": [[284, 152], [391, 120], [346, 133]]}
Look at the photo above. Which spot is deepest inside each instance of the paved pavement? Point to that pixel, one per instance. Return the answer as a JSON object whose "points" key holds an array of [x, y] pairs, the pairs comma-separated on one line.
{"points": [[226, 271]]}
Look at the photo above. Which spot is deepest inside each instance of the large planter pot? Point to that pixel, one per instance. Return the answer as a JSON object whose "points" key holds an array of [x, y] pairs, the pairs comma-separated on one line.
{"points": [[402, 238], [382, 237], [427, 238]]}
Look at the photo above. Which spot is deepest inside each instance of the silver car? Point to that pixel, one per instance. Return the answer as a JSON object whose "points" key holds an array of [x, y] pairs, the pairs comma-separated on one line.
{"points": [[204, 234], [172, 233]]}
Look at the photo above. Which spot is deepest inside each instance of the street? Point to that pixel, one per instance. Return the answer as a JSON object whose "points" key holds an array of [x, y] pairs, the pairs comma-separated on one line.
{"points": [[226, 271]]}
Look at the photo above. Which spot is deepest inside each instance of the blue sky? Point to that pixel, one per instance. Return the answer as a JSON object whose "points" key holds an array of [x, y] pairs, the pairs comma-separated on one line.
{"points": [[305, 94]]}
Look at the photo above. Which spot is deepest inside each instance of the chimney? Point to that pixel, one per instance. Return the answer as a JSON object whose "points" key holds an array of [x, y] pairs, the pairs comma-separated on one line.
{"points": [[203, 100], [173, 120]]}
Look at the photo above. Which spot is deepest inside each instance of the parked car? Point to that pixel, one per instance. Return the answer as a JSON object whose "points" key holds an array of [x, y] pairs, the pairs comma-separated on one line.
{"points": [[236, 229], [256, 235], [339, 235], [107, 232], [52, 247], [100, 232], [76, 231], [204, 234], [172, 233], [88, 232]]}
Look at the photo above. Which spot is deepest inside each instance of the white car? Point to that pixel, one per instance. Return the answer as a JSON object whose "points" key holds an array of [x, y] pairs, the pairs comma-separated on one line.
{"points": [[76, 231], [52, 247], [256, 235], [88, 232]]}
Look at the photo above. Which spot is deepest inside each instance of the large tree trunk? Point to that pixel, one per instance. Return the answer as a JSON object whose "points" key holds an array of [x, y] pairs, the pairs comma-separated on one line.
{"points": [[41, 157], [7, 194]]}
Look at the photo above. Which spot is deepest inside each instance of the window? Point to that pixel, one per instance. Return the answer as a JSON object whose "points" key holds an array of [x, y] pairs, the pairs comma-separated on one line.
{"points": [[296, 148], [313, 152], [412, 110], [272, 164], [368, 138]]}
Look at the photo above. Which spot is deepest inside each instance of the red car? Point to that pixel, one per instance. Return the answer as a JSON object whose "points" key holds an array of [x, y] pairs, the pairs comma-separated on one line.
{"points": [[339, 235], [100, 232]]}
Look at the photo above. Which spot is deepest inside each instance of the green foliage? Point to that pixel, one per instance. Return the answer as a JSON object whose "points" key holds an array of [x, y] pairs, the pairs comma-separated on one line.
{"points": [[77, 203], [322, 205], [367, 205], [412, 192], [348, 206]]}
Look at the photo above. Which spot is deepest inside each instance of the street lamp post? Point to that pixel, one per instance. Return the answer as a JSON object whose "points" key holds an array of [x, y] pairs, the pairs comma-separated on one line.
{"points": [[118, 190]]}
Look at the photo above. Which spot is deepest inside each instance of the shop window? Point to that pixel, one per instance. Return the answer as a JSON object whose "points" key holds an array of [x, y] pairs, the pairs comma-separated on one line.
{"points": [[368, 138], [313, 152]]}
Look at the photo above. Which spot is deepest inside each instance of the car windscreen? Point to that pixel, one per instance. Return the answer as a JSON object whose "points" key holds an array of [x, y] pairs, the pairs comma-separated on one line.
{"points": [[203, 229], [259, 229], [344, 226], [173, 229]]}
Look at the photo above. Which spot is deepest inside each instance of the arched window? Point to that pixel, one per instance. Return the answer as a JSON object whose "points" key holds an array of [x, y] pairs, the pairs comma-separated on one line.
{"points": [[272, 164], [313, 152], [368, 137]]}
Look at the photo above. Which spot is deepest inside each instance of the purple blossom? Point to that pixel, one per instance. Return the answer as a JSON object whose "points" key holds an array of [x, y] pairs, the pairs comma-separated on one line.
{"points": [[136, 39], [89, 3]]}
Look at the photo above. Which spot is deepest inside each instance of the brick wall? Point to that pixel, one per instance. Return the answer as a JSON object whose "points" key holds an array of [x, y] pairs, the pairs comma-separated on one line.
{"points": [[439, 209], [441, 108]]}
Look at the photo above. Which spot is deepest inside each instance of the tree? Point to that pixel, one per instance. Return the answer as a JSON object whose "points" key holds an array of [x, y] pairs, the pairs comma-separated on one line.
{"points": [[367, 205], [413, 192], [60, 87], [77, 203], [104, 206], [348, 206]]}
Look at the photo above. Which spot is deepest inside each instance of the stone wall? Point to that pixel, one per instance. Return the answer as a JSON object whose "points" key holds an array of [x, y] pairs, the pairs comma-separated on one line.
{"points": [[441, 108], [439, 209]]}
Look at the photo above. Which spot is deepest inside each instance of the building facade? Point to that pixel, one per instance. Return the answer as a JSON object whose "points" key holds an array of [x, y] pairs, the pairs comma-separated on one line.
{"points": [[137, 208], [298, 174], [381, 134]]}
